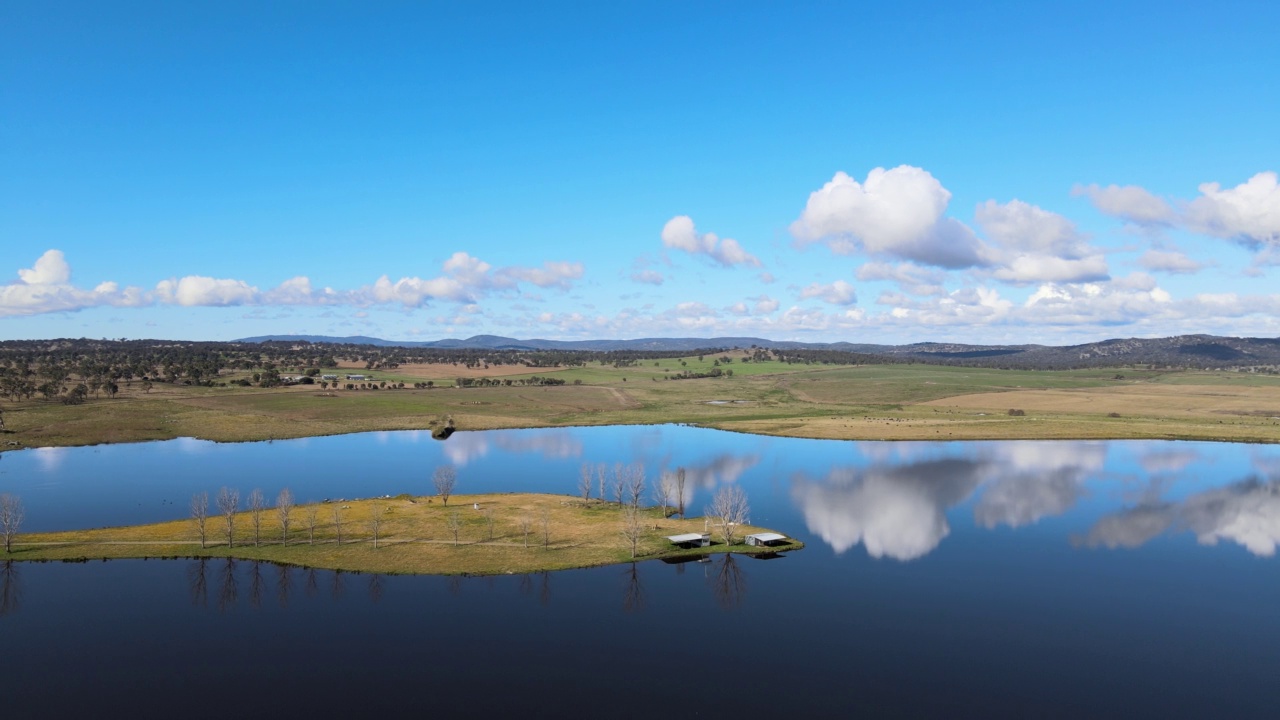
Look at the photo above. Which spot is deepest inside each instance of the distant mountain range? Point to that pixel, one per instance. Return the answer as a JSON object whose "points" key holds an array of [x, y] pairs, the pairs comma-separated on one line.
{"points": [[1181, 350]]}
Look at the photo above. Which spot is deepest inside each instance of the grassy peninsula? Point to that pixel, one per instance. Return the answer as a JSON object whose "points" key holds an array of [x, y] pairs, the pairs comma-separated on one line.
{"points": [[766, 396], [414, 536]]}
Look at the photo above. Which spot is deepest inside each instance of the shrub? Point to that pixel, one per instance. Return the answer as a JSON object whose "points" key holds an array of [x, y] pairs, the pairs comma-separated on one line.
{"points": [[1017, 413]]}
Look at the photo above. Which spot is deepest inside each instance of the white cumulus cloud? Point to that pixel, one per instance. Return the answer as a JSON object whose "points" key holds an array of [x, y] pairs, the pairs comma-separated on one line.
{"points": [[896, 213], [836, 293], [680, 234]]}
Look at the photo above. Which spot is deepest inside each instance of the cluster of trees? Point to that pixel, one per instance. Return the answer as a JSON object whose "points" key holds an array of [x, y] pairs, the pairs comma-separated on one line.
{"points": [[227, 507], [714, 372], [625, 484], [464, 382]]}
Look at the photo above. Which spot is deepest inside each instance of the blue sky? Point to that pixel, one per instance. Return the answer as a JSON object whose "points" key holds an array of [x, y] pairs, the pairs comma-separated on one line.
{"points": [[1014, 172]]}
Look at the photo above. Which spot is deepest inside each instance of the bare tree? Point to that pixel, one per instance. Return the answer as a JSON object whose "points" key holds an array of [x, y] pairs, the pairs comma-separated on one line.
{"points": [[200, 513], [455, 525], [584, 481], [635, 484], [488, 521], [445, 478], [228, 503], [619, 481], [728, 510], [600, 477], [680, 492], [337, 522], [632, 527], [256, 505], [526, 525], [284, 511], [546, 528], [662, 491], [312, 515], [376, 514], [11, 516]]}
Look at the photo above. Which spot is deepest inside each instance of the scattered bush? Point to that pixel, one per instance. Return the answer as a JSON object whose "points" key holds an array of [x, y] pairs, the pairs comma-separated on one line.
{"points": [[1017, 413]]}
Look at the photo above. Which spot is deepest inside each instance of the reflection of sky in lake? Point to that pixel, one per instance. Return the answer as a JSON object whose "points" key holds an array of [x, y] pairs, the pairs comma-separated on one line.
{"points": [[985, 579], [899, 501]]}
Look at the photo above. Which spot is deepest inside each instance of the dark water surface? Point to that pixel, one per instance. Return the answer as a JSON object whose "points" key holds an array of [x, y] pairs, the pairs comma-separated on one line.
{"points": [[989, 579]]}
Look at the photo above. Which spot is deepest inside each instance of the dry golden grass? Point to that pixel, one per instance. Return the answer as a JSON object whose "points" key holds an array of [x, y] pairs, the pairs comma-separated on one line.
{"points": [[1198, 401], [889, 402], [414, 536]]}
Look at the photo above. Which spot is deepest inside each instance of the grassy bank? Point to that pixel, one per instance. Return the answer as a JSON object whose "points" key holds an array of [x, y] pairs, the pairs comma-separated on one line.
{"points": [[872, 402], [414, 536]]}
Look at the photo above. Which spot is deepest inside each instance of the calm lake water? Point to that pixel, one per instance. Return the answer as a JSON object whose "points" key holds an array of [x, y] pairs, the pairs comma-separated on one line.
{"points": [[984, 579]]}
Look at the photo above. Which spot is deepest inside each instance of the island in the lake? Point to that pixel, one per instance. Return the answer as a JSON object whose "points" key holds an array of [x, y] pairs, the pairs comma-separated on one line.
{"points": [[486, 534]]}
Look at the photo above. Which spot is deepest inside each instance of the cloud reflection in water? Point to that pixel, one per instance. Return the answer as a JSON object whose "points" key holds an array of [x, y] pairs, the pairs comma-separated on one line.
{"points": [[899, 510], [1245, 512]]}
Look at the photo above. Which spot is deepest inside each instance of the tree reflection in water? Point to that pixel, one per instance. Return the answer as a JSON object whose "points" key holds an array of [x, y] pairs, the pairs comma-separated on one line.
{"points": [[376, 589], [633, 597], [728, 582], [198, 578], [228, 588], [255, 584], [337, 587], [10, 588], [313, 582], [283, 581]]}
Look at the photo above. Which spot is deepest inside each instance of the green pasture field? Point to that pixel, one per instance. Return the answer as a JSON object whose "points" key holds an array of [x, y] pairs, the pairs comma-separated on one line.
{"points": [[864, 402]]}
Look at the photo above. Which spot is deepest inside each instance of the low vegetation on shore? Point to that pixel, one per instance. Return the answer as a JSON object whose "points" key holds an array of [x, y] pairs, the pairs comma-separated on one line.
{"points": [[740, 390], [472, 534]]}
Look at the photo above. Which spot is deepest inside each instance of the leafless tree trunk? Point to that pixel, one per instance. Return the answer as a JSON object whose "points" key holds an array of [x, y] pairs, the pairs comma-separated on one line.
{"points": [[600, 476], [256, 505], [635, 484], [546, 528], [376, 514], [662, 491], [200, 513], [728, 510], [632, 527], [455, 525], [445, 478], [619, 482], [284, 511], [11, 516], [680, 492], [312, 515], [228, 503], [337, 522], [488, 521], [526, 525], [584, 481]]}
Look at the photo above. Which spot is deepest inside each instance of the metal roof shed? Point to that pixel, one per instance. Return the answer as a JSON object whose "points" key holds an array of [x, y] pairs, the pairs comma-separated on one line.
{"points": [[691, 539], [762, 539]]}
